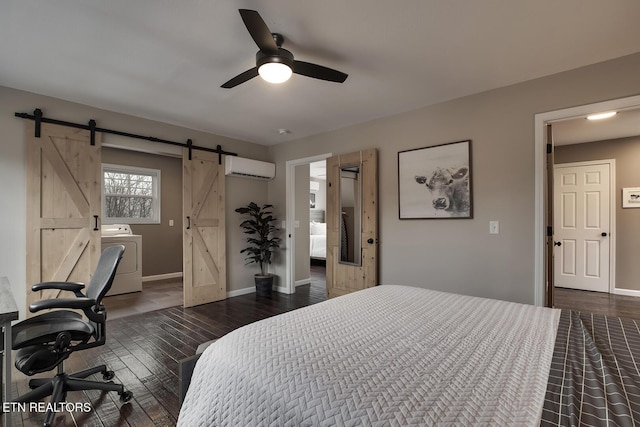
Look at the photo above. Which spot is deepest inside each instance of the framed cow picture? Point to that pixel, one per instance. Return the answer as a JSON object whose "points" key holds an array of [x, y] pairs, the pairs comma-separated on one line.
{"points": [[435, 182]]}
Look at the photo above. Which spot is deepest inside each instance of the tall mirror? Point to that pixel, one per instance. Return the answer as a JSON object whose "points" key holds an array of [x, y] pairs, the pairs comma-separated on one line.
{"points": [[350, 214]]}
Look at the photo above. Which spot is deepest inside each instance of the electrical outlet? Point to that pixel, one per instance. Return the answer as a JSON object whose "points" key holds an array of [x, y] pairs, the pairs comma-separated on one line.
{"points": [[494, 227]]}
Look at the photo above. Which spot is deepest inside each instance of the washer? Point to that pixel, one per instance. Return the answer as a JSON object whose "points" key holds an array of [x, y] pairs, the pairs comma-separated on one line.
{"points": [[129, 274]]}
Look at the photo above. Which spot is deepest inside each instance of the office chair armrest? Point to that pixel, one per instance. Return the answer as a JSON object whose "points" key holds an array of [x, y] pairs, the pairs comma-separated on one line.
{"points": [[72, 303], [64, 286]]}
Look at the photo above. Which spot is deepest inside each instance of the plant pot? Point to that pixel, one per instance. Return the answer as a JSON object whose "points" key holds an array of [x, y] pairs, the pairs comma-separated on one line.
{"points": [[264, 284]]}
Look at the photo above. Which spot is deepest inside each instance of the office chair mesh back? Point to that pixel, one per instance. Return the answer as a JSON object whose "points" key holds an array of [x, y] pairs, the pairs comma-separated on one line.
{"points": [[105, 272]]}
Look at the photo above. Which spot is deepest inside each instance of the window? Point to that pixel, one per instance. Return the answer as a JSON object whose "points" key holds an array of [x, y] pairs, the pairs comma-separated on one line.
{"points": [[130, 195]]}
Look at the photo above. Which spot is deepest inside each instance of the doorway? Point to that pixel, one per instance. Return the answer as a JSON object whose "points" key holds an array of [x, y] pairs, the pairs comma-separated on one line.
{"points": [[556, 119], [305, 213], [160, 239]]}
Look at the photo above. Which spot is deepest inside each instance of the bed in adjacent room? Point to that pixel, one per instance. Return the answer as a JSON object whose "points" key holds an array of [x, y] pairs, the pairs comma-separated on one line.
{"points": [[318, 240], [398, 355]]}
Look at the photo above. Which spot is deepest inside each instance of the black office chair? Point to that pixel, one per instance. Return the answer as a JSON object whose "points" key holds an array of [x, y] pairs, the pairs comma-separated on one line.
{"points": [[45, 341]]}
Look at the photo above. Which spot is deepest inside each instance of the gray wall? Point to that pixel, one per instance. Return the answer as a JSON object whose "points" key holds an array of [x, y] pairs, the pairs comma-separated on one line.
{"points": [[161, 244], [626, 152], [452, 255], [460, 255], [13, 176]]}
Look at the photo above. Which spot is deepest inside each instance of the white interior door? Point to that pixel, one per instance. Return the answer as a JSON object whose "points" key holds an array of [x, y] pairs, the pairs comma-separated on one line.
{"points": [[582, 206]]}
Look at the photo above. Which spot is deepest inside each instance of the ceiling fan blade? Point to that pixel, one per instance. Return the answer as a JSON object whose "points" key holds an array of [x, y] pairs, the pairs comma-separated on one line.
{"points": [[259, 31], [241, 78], [319, 72]]}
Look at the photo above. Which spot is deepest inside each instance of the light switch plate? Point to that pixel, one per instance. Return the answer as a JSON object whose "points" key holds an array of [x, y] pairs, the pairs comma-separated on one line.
{"points": [[494, 227]]}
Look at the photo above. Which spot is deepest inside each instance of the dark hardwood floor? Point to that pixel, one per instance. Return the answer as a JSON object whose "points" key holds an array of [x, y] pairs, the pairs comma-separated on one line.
{"points": [[597, 302], [144, 349], [154, 296]]}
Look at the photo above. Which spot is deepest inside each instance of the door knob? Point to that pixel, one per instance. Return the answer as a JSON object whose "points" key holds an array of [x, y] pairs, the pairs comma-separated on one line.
{"points": [[604, 234], [557, 243], [369, 240]]}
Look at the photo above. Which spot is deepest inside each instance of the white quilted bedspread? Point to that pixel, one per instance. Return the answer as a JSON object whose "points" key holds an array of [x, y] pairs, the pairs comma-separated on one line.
{"points": [[385, 356]]}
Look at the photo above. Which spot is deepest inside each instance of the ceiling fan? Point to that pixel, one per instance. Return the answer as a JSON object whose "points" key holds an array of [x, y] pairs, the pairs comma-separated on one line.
{"points": [[273, 63]]}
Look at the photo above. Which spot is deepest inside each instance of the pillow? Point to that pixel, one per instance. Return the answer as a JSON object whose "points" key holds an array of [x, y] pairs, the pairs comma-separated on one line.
{"points": [[317, 228]]}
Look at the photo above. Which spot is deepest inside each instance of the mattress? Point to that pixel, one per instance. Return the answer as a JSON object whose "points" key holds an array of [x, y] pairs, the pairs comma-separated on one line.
{"points": [[384, 356]]}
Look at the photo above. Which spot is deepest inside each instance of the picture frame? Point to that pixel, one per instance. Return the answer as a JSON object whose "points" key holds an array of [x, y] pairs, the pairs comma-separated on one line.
{"points": [[312, 201], [631, 197], [435, 182]]}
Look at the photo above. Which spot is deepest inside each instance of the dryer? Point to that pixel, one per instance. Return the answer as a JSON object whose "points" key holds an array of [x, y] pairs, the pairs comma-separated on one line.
{"points": [[129, 274]]}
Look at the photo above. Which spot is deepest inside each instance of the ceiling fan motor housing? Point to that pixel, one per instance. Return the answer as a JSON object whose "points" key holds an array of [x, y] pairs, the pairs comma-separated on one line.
{"points": [[283, 56]]}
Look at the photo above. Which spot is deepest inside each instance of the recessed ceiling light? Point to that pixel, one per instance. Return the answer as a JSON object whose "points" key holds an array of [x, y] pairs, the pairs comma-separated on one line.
{"points": [[601, 116]]}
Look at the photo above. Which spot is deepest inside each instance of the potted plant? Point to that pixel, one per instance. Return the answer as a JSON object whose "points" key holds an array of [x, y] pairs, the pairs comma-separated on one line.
{"points": [[260, 225]]}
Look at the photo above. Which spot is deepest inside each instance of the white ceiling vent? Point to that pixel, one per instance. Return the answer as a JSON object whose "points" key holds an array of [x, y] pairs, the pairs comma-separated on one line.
{"points": [[249, 168]]}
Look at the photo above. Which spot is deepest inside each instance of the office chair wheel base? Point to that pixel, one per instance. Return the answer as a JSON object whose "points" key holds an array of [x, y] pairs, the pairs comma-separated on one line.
{"points": [[108, 375], [125, 396]]}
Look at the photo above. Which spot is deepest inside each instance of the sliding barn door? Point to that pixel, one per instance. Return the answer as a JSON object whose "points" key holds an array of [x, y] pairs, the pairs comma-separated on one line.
{"points": [[352, 222], [204, 260], [63, 206]]}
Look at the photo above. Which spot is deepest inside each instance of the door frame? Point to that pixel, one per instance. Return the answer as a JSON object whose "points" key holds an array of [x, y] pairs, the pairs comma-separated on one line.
{"points": [[290, 215], [540, 190], [612, 211]]}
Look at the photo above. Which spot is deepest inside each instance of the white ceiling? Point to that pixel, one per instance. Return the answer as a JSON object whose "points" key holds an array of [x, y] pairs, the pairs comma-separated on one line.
{"points": [[165, 60]]}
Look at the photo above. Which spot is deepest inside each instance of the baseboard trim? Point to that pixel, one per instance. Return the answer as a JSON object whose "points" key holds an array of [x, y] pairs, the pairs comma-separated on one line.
{"points": [[627, 292], [238, 292], [165, 276], [303, 282]]}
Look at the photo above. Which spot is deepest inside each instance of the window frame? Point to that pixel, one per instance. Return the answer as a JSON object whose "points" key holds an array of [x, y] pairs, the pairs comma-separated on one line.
{"points": [[155, 197]]}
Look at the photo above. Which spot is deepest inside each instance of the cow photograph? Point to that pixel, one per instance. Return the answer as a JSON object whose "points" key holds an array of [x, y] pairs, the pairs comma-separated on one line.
{"points": [[435, 182]]}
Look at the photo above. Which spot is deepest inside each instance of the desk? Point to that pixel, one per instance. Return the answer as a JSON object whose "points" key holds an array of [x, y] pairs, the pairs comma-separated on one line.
{"points": [[8, 313]]}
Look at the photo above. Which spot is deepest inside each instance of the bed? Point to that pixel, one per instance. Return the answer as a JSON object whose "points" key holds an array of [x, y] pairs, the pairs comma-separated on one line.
{"points": [[318, 240], [398, 356]]}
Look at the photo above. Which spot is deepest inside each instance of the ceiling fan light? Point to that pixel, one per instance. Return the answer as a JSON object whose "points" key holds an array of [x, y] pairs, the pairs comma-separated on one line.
{"points": [[275, 72]]}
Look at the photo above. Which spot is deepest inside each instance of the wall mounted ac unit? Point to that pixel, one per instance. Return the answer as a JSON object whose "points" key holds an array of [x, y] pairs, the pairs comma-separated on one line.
{"points": [[249, 168]]}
